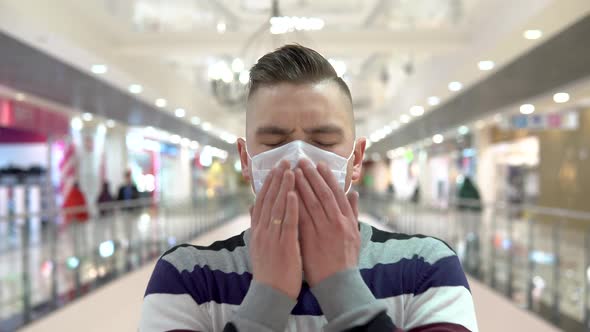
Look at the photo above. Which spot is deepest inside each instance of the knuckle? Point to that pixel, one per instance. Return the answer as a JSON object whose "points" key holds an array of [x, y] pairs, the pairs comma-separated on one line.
{"points": [[324, 194]]}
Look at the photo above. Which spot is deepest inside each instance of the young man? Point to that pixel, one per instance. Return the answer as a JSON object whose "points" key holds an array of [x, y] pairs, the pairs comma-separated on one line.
{"points": [[306, 264]]}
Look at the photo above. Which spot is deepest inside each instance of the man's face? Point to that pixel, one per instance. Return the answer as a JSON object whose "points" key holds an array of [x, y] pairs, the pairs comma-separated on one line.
{"points": [[319, 114]]}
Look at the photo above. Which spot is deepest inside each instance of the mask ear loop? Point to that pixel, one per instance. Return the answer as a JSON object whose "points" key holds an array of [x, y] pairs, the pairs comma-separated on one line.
{"points": [[250, 160], [347, 159]]}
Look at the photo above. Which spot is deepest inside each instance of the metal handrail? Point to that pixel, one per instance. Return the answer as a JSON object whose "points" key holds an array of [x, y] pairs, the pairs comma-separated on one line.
{"points": [[521, 250], [474, 203], [106, 206], [136, 232]]}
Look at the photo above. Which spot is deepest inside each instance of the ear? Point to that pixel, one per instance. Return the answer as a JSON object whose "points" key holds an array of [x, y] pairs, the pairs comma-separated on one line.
{"points": [[359, 155], [244, 159]]}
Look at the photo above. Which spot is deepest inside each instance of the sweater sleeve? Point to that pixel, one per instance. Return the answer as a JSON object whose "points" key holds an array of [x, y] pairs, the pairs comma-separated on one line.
{"points": [[264, 309]]}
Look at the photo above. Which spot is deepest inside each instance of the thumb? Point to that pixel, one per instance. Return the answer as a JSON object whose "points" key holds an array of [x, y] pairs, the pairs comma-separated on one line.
{"points": [[353, 199]]}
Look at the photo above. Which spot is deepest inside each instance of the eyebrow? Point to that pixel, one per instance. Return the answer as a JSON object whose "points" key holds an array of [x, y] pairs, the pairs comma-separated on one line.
{"points": [[273, 130], [327, 129]]}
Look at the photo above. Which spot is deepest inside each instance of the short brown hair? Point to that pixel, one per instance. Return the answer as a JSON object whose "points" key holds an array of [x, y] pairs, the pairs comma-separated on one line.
{"points": [[296, 64]]}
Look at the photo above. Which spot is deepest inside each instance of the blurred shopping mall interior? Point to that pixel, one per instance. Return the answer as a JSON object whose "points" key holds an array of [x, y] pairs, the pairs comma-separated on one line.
{"points": [[119, 122]]}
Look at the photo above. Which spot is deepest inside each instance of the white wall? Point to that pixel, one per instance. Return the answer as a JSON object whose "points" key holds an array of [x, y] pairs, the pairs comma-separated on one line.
{"points": [[23, 155]]}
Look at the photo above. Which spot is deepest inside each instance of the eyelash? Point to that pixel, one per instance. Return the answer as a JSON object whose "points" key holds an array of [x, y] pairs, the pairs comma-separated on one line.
{"points": [[315, 143]]}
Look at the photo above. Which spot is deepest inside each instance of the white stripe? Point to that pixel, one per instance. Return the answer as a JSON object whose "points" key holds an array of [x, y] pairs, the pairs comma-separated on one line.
{"points": [[69, 164], [162, 312], [67, 187], [392, 251], [449, 304], [372, 253]]}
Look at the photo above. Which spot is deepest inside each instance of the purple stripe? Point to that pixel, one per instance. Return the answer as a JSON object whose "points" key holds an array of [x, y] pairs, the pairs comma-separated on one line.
{"points": [[407, 276], [413, 276]]}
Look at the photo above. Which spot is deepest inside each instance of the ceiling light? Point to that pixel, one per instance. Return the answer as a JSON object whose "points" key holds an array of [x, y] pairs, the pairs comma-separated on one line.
{"points": [[110, 123], [455, 86], [533, 34], [237, 65], [229, 138], [175, 139], [206, 126], [404, 118], [194, 145], [135, 88], [463, 130], [561, 97], [195, 120], [20, 96], [76, 123], [185, 142], [161, 102], [486, 65], [433, 100], [221, 27], [527, 109], [438, 138], [394, 125], [375, 137], [87, 117], [417, 110], [245, 77], [180, 112], [284, 24], [99, 69]]}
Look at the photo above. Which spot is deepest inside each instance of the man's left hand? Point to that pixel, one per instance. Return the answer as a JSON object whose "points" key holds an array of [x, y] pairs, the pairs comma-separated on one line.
{"points": [[329, 233]]}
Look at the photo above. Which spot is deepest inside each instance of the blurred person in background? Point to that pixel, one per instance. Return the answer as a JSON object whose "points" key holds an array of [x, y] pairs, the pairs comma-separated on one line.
{"points": [[105, 197], [468, 195], [128, 191], [306, 263]]}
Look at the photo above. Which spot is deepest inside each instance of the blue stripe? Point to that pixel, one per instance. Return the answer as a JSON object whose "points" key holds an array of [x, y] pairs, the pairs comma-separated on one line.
{"points": [[407, 276]]}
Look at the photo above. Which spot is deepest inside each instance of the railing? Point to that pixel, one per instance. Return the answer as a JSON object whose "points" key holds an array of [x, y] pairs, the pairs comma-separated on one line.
{"points": [[46, 262], [537, 257]]}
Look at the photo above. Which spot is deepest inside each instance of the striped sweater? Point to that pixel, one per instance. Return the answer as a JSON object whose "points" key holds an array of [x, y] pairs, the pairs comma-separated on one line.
{"points": [[418, 279]]}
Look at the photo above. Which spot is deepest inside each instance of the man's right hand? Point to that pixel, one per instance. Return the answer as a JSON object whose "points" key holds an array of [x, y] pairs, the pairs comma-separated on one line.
{"points": [[274, 244]]}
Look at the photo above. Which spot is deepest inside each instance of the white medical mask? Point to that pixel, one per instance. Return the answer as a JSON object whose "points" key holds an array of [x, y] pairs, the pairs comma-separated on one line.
{"points": [[264, 162]]}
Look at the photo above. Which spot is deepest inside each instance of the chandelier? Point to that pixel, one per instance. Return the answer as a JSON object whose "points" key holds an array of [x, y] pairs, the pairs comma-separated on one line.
{"points": [[229, 76]]}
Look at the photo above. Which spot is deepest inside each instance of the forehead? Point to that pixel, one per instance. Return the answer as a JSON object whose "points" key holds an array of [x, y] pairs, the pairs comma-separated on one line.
{"points": [[291, 105]]}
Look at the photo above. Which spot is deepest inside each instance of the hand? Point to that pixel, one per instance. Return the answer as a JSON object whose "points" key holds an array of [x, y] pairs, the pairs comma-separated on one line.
{"points": [[274, 245], [330, 238]]}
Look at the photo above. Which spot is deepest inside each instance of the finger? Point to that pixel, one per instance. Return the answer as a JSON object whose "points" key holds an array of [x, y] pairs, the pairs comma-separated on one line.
{"points": [[353, 199], [321, 190], [290, 229], [255, 215], [337, 191], [310, 200], [271, 195], [305, 220], [278, 210]]}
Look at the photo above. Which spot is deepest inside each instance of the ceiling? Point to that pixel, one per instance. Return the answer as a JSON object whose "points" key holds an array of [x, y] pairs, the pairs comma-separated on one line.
{"points": [[397, 52]]}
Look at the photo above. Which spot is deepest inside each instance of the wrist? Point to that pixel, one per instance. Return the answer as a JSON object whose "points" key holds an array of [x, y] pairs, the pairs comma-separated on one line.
{"points": [[342, 292], [266, 306]]}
